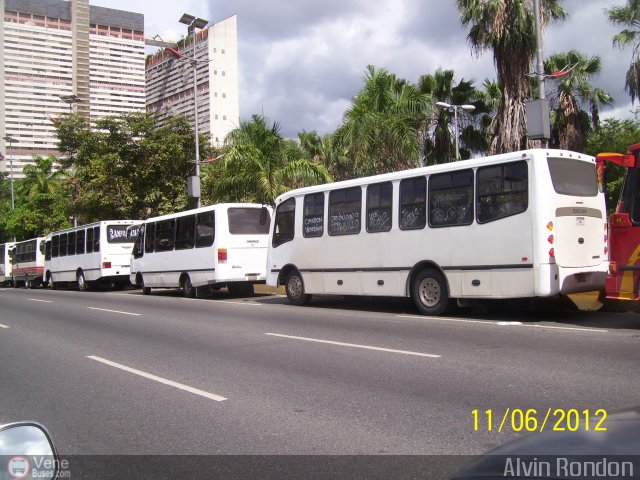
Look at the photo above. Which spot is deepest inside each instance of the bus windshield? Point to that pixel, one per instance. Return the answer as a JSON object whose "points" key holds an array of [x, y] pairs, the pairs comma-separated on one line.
{"points": [[572, 177]]}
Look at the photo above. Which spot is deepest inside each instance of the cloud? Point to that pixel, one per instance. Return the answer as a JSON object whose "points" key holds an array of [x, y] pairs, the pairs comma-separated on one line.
{"points": [[302, 61]]}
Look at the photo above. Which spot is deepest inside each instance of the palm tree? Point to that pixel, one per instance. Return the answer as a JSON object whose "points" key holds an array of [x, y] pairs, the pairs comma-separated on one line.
{"points": [[571, 123], [628, 16], [437, 141], [508, 28], [260, 164], [380, 130], [40, 178]]}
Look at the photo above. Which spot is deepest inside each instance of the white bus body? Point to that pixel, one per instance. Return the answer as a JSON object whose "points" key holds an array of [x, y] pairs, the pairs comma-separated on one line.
{"points": [[27, 263], [85, 255], [6, 252], [523, 224], [218, 245], [5, 262]]}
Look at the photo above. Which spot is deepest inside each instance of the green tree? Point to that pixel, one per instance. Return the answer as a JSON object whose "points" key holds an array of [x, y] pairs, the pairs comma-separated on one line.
{"points": [[260, 164], [381, 129], [614, 135], [128, 166], [570, 122], [628, 16], [438, 142], [40, 201], [507, 27]]}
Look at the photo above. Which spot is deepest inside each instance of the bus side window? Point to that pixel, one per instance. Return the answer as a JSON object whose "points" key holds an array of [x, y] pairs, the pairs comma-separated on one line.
{"points": [[503, 190], [379, 197], [47, 250], [185, 232], [205, 229], [149, 237], [63, 245], [71, 245], [413, 200], [165, 235], [284, 228], [89, 240], [80, 242], [96, 239], [313, 215], [138, 246], [451, 199], [55, 245], [345, 206]]}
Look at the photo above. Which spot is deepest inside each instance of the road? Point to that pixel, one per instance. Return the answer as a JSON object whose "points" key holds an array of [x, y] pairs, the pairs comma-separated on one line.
{"points": [[120, 373]]}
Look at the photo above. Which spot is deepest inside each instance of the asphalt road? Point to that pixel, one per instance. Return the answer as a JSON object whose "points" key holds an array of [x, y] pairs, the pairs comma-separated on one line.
{"points": [[122, 373]]}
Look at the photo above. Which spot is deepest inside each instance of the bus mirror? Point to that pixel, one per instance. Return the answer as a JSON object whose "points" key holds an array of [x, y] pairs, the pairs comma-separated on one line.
{"points": [[264, 214], [620, 220]]}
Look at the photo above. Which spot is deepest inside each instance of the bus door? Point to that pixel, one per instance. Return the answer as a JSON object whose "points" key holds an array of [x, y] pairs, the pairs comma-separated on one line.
{"points": [[624, 227]]}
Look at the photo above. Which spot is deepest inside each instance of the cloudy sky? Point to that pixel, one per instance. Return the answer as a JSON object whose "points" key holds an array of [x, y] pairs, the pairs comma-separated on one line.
{"points": [[301, 61]]}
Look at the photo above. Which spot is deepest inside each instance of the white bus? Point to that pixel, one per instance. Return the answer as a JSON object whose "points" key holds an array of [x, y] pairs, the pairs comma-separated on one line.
{"points": [[5, 262], [522, 224], [90, 254], [215, 246], [27, 263]]}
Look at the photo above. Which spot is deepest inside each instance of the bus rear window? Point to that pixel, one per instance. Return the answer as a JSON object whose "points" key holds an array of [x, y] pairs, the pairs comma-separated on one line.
{"points": [[573, 177], [118, 234], [249, 221]]}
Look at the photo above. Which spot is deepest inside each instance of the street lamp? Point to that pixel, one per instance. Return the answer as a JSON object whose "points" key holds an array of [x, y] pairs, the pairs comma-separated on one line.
{"points": [[10, 140], [455, 108], [70, 99], [193, 23]]}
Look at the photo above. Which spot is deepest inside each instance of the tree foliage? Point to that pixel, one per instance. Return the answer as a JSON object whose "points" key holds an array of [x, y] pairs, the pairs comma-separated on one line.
{"points": [[507, 27], [628, 16], [127, 166], [260, 164]]}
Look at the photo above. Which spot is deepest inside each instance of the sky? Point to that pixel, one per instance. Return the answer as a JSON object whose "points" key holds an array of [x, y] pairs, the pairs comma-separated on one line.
{"points": [[302, 61]]}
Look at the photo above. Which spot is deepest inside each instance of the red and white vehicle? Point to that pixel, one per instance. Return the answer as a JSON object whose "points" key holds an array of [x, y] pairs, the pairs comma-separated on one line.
{"points": [[28, 263]]}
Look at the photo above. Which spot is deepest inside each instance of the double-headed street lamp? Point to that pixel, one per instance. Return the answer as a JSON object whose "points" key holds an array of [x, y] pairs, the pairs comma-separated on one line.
{"points": [[70, 99], [10, 140], [194, 23], [455, 108]]}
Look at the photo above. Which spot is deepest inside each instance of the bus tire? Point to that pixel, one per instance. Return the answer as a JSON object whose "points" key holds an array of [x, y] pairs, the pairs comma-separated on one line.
{"points": [[187, 288], [52, 284], [430, 293], [28, 283], [294, 286], [145, 290], [81, 282]]}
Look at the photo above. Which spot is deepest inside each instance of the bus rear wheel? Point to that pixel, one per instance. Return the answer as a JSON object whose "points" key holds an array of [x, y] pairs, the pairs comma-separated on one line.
{"points": [[140, 282], [82, 282], [187, 288], [294, 287], [430, 293]]}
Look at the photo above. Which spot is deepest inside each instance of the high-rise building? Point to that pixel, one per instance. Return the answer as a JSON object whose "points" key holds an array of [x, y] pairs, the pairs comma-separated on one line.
{"points": [[59, 56], [170, 79]]}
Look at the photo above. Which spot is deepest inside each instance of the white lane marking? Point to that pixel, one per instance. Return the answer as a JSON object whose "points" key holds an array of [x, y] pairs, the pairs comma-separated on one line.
{"points": [[186, 388], [214, 301], [354, 345], [515, 324], [38, 300], [3, 326], [114, 311]]}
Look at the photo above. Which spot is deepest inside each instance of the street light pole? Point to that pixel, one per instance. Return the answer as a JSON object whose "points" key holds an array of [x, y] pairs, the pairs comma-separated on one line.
{"points": [[194, 23], [10, 140], [448, 106]]}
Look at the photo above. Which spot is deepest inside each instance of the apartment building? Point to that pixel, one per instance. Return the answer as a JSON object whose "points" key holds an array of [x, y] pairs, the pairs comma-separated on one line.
{"points": [[61, 56]]}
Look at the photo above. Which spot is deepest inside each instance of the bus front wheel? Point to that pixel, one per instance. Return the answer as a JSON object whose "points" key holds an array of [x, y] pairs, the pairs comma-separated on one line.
{"points": [[430, 293], [294, 287], [140, 281], [187, 288], [82, 282]]}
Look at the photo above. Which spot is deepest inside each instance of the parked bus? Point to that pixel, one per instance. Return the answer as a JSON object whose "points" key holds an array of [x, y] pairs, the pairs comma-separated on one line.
{"points": [[623, 280], [90, 254], [27, 263], [516, 225], [5, 262], [216, 246]]}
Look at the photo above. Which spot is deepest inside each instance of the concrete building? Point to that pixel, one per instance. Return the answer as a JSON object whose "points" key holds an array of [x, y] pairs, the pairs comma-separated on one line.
{"points": [[60, 56], [169, 77]]}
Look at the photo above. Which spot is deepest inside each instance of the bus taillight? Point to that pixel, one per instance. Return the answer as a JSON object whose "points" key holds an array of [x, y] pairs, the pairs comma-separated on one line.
{"points": [[552, 253], [550, 239], [106, 264], [222, 255]]}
